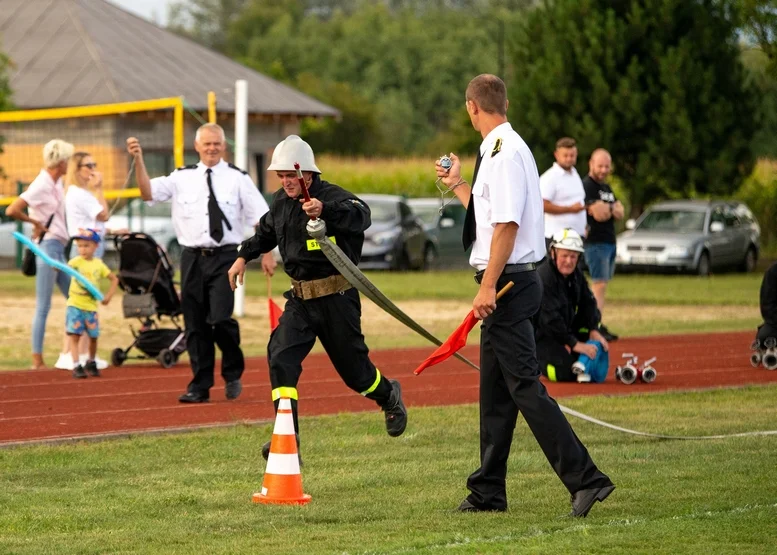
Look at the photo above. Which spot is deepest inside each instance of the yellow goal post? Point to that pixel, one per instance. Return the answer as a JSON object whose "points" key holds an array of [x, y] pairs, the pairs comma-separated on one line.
{"points": [[101, 130]]}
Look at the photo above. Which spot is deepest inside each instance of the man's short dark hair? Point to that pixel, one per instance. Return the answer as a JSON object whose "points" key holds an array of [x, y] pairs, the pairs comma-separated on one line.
{"points": [[489, 93], [565, 142]]}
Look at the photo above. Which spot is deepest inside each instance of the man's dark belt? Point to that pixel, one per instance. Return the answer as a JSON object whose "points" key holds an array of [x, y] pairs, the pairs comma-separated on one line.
{"points": [[510, 269], [315, 288], [210, 251]]}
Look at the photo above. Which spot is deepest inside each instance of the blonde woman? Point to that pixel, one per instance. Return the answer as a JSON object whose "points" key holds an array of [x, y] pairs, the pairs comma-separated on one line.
{"points": [[44, 201]]}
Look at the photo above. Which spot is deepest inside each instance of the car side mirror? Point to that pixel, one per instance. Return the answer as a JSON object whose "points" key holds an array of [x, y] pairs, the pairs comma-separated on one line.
{"points": [[631, 223], [447, 223], [717, 227]]}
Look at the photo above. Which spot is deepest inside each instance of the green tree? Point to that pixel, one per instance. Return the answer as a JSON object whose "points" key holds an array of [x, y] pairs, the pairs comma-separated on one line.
{"points": [[759, 22], [659, 83], [356, 132]]}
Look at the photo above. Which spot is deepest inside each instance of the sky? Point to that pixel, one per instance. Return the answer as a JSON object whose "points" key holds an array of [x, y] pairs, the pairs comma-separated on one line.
{"points": [[152, 10]]}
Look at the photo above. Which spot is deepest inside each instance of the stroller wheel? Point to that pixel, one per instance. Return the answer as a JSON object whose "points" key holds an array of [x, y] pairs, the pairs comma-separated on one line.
{"points": [[118, 356], [166, 358]]}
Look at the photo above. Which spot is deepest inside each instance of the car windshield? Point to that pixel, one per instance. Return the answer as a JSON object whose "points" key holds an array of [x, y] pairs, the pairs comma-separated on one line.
{"points": [[427, 212], [383, 211], [680, 221]]}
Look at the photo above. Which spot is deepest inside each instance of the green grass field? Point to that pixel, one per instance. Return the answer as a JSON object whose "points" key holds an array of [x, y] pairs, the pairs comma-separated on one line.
{"points": [[191, 493]]}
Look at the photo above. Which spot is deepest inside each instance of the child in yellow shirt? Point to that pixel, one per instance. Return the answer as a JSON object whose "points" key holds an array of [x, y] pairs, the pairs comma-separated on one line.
{"points": [[81, 315]]}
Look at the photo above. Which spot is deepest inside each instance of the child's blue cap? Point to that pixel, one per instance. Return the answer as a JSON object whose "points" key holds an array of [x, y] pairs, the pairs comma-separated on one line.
{"points": [[88, 235]]}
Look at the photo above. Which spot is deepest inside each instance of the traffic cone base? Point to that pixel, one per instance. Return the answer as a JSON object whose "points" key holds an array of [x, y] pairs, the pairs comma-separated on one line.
{"points": [[282, 483]]}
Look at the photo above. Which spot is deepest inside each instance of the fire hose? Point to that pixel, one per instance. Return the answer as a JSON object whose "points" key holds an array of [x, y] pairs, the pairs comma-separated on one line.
{"points": [[317, 230]]}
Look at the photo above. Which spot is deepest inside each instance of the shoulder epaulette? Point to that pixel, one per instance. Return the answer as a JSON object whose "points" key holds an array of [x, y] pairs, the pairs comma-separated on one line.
{"points": [[497, 147], [189, 167], [234, 167]]}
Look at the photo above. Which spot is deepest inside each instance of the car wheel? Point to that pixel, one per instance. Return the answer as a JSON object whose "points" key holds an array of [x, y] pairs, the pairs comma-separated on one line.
{"points": [[402, 261], [750, 261], [703, 267], [174, 252], [430, 257]]}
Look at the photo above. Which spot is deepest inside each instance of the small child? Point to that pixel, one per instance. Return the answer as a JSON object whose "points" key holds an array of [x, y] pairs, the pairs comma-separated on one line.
{"points": [[81, 315]]}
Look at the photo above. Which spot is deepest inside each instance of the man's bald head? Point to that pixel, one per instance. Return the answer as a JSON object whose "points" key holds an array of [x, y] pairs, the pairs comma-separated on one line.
{"points": [[600, 165]]}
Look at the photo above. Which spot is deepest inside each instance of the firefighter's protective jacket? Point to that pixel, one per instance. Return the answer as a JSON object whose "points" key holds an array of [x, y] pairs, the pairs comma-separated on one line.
{"points": [[346, 218]]}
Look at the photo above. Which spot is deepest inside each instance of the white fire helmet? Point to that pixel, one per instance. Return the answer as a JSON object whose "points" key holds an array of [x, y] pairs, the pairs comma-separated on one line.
{"points": [[567, 239], [290, 150]]}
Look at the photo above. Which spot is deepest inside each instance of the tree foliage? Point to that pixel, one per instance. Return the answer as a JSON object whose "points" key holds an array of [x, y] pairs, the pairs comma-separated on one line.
{"points": [[759, 22], [659, 83], [5, 92]]}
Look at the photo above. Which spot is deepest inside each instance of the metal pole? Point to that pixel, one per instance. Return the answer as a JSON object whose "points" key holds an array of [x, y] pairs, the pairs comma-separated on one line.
{"points": [[211, 107], [241, 161]]}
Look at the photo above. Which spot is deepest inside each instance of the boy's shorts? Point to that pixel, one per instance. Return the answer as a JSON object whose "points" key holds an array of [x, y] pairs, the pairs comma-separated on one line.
{"points": [[78, 321], [600, 259]]}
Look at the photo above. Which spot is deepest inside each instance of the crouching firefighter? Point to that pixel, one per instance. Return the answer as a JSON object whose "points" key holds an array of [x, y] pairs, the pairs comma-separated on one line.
{"points": [[569, 344], [321, 303]]}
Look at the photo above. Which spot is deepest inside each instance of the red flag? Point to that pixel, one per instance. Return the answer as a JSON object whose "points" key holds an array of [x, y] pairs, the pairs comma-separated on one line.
{"points": [[275, 313], [455, 342]]}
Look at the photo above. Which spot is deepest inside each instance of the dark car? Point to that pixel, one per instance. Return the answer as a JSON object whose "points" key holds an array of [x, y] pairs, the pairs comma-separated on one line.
{"points": [[396, 240], [691, 235], [444, 228]]}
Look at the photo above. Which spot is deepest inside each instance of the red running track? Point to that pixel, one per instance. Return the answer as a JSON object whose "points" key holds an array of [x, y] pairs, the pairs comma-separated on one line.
{"points": [[49, 405]]}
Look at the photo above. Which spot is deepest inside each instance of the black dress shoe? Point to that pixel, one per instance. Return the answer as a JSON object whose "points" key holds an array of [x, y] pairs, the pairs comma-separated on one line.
{"points": [[607, 334], [233, 389], [583, 500], [192, 397], [467, 507]]}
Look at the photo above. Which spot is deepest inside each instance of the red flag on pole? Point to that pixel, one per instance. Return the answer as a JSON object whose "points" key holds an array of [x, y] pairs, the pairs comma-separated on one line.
{"points": [[275, 313], [455, 342], [457, 339], [274, 310]]}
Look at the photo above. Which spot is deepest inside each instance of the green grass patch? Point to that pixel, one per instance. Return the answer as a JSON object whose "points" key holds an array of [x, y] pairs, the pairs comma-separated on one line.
{"points": [[724, 289], [373, 494]]}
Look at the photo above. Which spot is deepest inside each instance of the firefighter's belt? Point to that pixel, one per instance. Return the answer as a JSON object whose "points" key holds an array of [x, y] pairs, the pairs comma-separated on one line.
{"points": [[316, 288]]}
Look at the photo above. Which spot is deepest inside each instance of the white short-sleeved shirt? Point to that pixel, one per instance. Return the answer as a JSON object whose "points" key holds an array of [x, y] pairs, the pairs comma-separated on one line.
{"points": [[45, 197], [81, 210], [563, 188], [187, 189], [507, 189]]}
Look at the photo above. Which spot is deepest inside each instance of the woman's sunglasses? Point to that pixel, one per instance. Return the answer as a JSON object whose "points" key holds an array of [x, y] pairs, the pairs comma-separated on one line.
{"points": [[90, 165]]}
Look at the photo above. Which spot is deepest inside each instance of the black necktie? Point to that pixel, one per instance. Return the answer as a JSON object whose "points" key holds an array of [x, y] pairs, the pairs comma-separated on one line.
{"points": [[215, 215], [468, 233]]}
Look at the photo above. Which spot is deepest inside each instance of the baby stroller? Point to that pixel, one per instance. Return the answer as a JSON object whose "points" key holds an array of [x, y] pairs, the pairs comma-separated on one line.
{"points": [[146, 276]]}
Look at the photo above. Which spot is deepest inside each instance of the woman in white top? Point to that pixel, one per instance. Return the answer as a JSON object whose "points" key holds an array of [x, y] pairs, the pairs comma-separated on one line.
{"points": [[85, 205], [85, 208]]}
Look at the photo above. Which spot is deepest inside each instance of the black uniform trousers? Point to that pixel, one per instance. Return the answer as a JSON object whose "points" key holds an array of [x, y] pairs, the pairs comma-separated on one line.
{"points": [[510, 382], [550, 351], [208, 302], [336, 321], [554, 353]]}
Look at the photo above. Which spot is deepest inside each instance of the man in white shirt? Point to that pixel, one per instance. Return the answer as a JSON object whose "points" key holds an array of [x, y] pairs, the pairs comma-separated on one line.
{"points": [[563, 195], [504, 224], [211, 201]]}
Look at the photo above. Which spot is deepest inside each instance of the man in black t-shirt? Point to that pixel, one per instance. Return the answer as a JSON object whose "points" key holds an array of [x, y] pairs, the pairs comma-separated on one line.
{"points": [[603, 209]]}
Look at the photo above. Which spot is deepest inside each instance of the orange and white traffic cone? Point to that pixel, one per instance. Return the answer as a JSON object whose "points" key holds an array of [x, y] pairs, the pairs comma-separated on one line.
{"points": [[282, 483]]}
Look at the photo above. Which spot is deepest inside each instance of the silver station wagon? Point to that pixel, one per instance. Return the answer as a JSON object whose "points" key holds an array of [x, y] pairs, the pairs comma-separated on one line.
{"points": [[690, 236]]}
